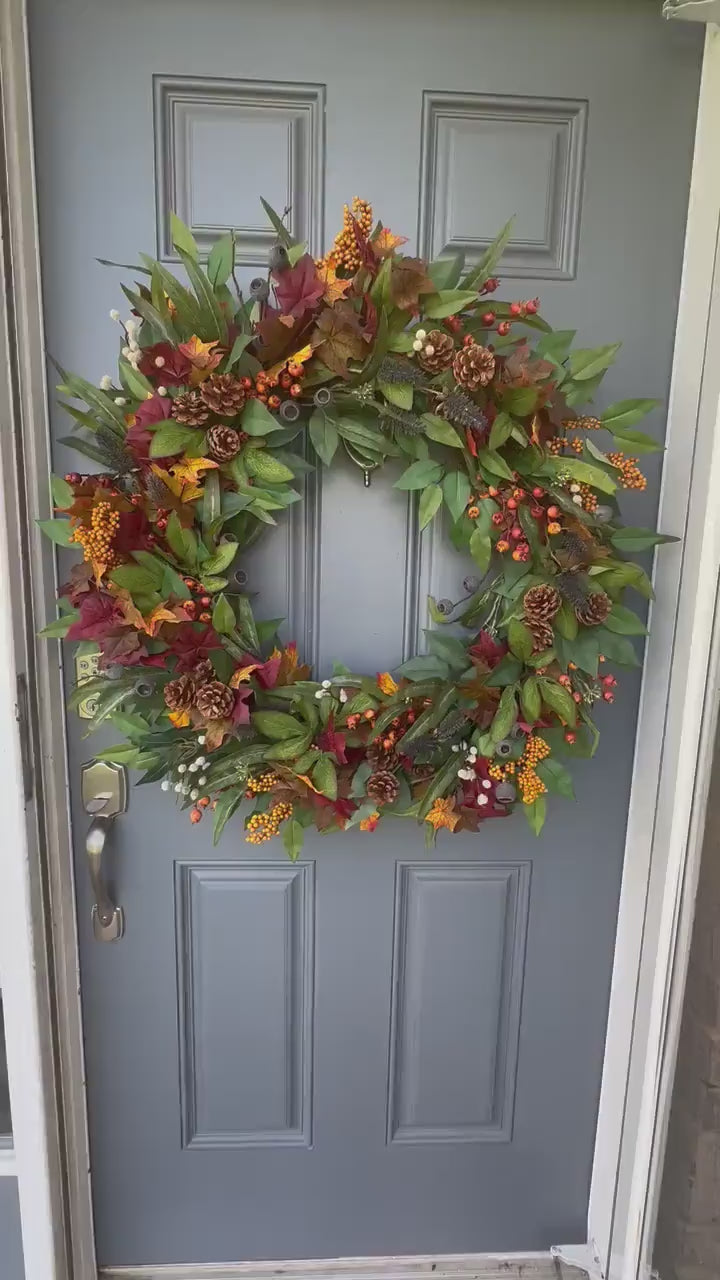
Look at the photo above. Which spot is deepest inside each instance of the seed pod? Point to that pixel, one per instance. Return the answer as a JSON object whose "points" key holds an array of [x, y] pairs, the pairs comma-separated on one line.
{"points": [[445, 606], [471, 584], [259, 289], [322, 397], [278, 258], [504, 748], [240, 577], [603, 513], [505, 793], [289, 411], [144, 689]]}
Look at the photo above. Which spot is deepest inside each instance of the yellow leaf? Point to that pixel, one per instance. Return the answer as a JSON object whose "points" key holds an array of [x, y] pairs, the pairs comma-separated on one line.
{"points": [[308, 783], [299, 357], [441, 814], [242, 674], [180, 719], [159, 615], [385, 682]]}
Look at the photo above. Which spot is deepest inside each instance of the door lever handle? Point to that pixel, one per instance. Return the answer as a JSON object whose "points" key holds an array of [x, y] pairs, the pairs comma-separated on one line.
{"points": [[104, 796], [108, 919]]}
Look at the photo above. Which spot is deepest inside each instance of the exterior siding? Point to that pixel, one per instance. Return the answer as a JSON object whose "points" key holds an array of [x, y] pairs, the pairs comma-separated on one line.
{"points": [[687, 1244]]}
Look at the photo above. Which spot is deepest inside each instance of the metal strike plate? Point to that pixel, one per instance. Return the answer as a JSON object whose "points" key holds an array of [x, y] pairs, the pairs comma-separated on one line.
{"points": [[87, 666], [103, 788]]}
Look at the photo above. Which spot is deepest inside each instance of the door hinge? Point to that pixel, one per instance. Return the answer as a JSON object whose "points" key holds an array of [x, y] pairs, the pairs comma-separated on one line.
{"points": [[22, 716]]}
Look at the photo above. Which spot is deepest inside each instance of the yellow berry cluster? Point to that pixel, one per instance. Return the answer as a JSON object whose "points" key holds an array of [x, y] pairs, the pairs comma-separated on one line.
{"points": [[536, 749], [582, 424], [96, 541], [261, 782], [344, 252], [631, 477], [263, 826], [500, 771]]}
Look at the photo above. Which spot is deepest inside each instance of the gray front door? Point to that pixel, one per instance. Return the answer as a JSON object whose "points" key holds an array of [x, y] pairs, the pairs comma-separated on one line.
{"points": [[376, 1050]]}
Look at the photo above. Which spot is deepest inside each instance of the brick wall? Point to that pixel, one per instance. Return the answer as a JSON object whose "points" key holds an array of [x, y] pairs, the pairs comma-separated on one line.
{"points": [[687, 1245]]}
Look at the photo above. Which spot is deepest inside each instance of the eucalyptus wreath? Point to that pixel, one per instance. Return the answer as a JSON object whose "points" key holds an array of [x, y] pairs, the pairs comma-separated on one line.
{"points": [[224, 401]]}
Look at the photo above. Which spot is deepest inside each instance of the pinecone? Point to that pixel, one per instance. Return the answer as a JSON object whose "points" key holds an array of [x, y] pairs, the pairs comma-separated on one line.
{"points": [[474, 366], [541, 603], [459, 409], [215, 700], [180, 693], [382, 787], [379, 756], [438, 351], [594, 610], [572, 587], [223, 443], [542, 634], [203, 671], [224, 394], [190, 410]]}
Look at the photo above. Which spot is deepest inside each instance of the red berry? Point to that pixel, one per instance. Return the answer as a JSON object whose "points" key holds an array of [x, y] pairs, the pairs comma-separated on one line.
{"points": [[553, 513], [498, 518], [609, 681], [532, 306], [491, 285], [516, 532], [577, 697], [162, 525], [492, 491], [488, 317], [536, 512], [205, 602], [538, 492], [608, 696], [515, 309], [468, 340], [512, 504], [570, 737], [504, 328]]}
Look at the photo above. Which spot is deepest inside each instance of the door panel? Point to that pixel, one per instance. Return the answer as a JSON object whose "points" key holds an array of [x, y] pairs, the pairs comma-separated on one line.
{"points": [[377, 1050]]}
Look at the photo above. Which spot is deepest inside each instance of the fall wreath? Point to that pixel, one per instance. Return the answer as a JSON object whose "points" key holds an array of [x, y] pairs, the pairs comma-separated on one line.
{"points": [[219, 401]]}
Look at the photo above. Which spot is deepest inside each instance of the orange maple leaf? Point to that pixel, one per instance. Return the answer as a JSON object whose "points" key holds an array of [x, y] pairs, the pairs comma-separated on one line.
{"points": [[385, 242], [335, 288], [188, 470], [202, 357]]}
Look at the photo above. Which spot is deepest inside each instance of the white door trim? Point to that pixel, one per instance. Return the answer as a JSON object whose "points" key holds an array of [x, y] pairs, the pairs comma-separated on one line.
{"points": [[671, 765]]}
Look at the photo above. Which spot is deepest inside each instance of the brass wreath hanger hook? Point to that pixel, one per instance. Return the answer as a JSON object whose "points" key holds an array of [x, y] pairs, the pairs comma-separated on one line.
{"points": [[366, 466]]}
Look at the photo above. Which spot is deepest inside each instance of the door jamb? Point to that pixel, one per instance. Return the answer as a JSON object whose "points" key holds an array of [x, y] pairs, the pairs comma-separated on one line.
{"points": [[674, 729]]}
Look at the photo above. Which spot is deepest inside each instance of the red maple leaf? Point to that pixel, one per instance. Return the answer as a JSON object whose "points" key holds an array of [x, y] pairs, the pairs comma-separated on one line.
{"points": [[299, 289]]}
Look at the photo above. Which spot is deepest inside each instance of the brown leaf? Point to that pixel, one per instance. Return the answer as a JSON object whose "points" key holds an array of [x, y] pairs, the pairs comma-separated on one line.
{"points": [[408, 280], [338, 338]]}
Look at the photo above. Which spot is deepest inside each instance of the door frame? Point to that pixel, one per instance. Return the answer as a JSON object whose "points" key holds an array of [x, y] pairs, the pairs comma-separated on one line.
{"points": [[677, 716]]}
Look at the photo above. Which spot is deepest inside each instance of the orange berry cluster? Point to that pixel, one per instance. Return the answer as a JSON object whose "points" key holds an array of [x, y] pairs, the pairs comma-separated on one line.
{"points": [[500, 771], [261, 387], [344, 252], [263, 826], [631, 477], [261, 782], [556, 444], [589, 498], [96, 541], [531, 786], [582, 424]]}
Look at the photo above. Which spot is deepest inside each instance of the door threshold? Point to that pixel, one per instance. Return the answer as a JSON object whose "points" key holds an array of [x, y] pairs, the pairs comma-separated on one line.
{"points": [[460, 1266]]}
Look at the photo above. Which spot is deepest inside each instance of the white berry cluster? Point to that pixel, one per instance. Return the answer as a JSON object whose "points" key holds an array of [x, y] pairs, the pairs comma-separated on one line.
{"points": [[187, 783], [325, 690], [420, 343], [467, 772], [577, 496]]}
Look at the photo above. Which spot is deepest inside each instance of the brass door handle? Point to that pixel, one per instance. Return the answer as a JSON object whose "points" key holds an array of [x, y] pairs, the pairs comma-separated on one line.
{"points": [[108, 920], [104, 795]]}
